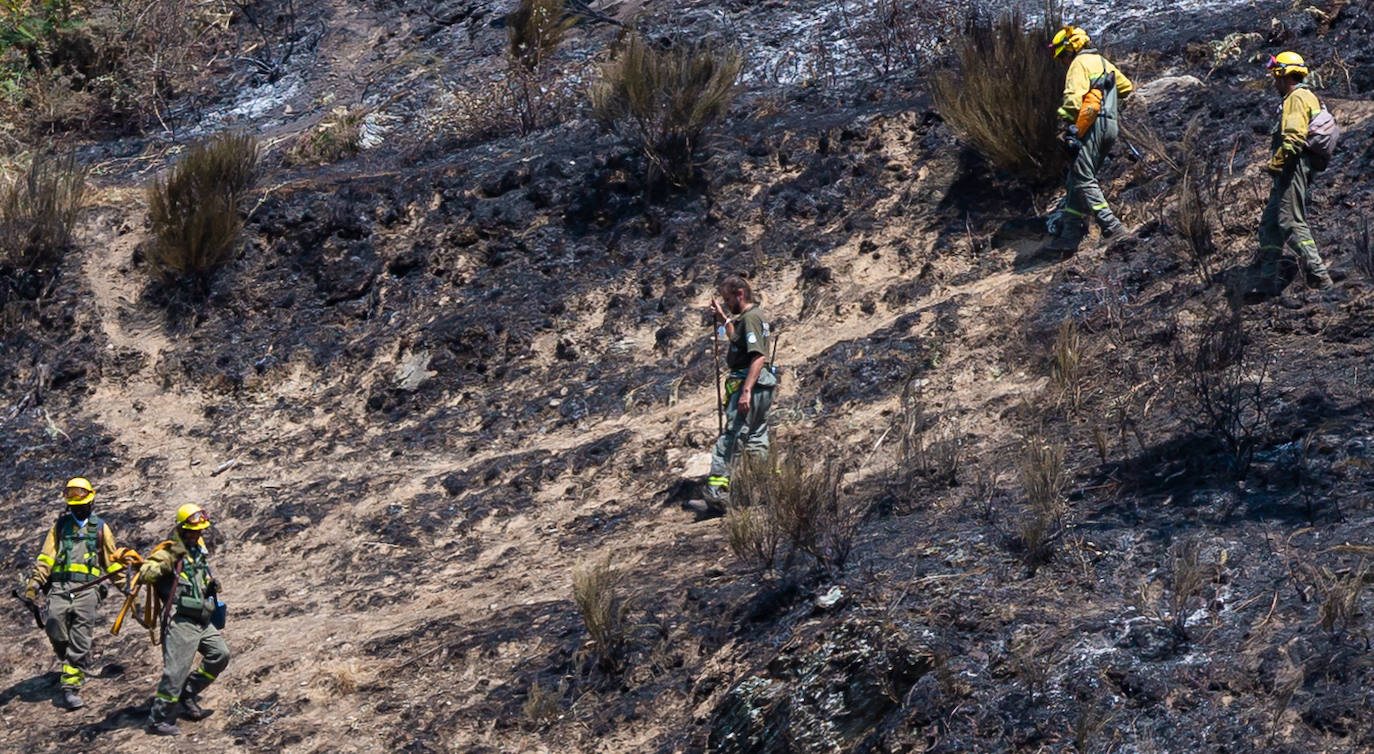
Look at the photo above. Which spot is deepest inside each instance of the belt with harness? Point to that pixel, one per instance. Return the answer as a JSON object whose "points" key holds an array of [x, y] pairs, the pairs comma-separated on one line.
{"points": [[736, 378]]}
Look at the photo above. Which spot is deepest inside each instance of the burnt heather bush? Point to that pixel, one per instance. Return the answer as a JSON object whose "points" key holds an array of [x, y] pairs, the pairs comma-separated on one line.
{"points": [[37, 212], [1003, 97], [194, 212], [665, 100]]}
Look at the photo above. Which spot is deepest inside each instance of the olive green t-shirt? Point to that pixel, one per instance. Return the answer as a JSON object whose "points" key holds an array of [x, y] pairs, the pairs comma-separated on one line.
{"points": [[751, 337]]}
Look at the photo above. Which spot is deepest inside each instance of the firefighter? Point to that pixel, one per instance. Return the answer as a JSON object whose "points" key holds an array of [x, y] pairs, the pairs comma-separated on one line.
{"points": [[748, 391], [181, 575], [80, 548], [1090, 109], [1284, 220]]}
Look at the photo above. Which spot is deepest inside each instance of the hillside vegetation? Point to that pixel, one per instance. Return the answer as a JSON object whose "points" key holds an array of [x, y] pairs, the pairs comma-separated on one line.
{"points": [[413, 298]]}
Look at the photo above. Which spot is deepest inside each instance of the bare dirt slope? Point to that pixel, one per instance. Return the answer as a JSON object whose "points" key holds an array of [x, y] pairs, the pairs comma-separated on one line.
{"points": [[398, 552]]}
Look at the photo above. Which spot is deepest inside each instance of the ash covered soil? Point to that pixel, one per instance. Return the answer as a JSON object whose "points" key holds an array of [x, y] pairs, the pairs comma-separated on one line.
{"points": [[446, 371]]}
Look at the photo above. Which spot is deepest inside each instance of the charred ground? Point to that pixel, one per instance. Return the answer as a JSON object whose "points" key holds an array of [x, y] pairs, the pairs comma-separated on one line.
{"points": [[450, 369]]}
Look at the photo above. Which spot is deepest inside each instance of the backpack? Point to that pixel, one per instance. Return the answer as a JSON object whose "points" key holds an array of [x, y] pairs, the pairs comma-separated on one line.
{"points": [[1322, 134]]}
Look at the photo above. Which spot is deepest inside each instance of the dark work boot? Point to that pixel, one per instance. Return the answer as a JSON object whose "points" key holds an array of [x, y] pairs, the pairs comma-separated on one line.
{"points": [[1319, 280], [71, 698], [191, 709], [1064, 246], [161, 720], [704, 509]]}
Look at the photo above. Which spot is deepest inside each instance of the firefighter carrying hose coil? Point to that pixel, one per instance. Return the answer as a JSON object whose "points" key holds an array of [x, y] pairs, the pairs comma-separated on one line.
{"points": [[192, 616]]}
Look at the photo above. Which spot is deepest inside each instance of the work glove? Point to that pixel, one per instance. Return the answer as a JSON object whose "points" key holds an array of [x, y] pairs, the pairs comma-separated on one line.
{"points": [[148, 572], [31, 591], [1070, 138]]}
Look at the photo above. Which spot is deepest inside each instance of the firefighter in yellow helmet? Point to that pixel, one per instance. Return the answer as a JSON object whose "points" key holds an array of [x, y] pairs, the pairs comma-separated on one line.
{"points": [[181, 575], [79, 548], [1284, 220], [1090, 108]]}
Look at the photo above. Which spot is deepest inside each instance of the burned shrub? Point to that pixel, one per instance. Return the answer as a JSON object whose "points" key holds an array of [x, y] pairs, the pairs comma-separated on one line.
{"points": [[1002, 98], [38, 210], [1229, 379], [195, 212], [665, 100], [533, 32], [928, 449], [790, 504]]}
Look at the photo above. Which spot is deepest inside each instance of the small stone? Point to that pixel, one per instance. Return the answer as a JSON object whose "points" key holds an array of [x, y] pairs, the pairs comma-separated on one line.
{"points": [[830, 599]]}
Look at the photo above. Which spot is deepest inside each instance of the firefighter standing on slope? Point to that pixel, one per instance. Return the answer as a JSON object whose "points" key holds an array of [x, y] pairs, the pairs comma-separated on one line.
{"points": [[1088, 72], [80, 548], [1284, 219], [181, 575], [748, 391]]}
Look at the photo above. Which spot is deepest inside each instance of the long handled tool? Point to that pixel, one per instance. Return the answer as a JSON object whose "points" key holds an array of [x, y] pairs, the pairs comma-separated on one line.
{"points": [[715, 350], [40, 615]]}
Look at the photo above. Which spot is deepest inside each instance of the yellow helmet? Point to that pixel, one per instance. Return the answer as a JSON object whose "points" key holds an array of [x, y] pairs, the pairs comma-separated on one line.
{"points": [[1071, 38], [79, 492], [191, 517], [1287, 64]]}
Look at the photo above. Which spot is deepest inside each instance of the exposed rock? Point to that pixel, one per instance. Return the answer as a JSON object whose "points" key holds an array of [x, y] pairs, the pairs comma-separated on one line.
{"points": [[1151, 91], [825, 696]]}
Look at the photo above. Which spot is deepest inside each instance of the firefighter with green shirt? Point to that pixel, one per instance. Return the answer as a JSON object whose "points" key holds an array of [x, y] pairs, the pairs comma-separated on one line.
{"points": [[181, 575], [748, 391], [1285, 215], [1087, 87], [79, 549]]}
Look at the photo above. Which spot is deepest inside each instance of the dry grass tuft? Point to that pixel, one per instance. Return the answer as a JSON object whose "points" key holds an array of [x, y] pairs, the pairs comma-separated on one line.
{"points": [[38, 210], [1066, 360], [195, 211], [1199, 194], [344, 678], [1043, 478], [666, 100], [1364, 251], [1340, 595], [541, 705], [1188, 576], [605, 611], [754, 534], [929, 451], [340, 136], [1002, 100]]}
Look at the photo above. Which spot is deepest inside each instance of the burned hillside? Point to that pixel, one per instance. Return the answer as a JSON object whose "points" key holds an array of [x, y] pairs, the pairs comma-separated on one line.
{"points": [[445, 393]]}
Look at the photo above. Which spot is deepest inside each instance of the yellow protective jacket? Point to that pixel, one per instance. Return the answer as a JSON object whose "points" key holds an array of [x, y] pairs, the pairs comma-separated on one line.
{"points": [[1290, 133], [47, 557], [1083, 69]]}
